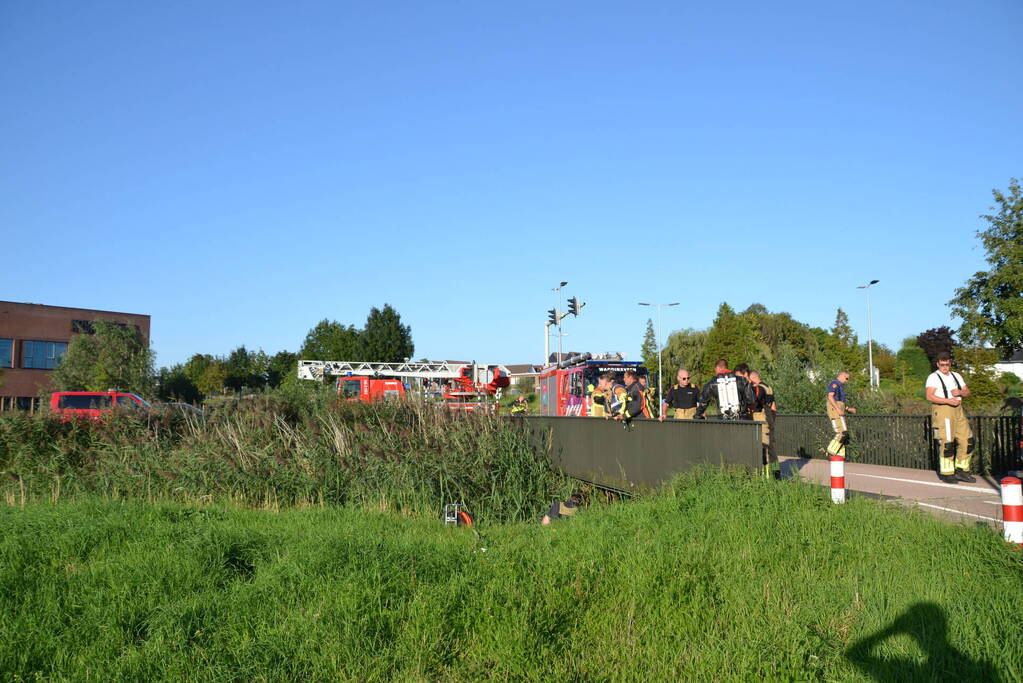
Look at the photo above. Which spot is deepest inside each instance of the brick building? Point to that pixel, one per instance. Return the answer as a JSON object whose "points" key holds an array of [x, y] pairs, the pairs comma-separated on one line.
{"points": [[34, 337]]}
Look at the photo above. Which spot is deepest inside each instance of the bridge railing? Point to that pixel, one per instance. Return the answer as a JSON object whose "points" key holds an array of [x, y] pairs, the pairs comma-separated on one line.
{"points": [[902, 440], [648, 454]]}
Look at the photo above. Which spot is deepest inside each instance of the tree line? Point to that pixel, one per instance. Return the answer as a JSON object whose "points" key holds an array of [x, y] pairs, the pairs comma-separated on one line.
{"points": [[117, 356], [798, 360]]}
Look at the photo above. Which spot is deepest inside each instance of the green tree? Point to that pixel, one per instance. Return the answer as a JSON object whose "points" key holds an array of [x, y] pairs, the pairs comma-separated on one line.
{"points": [[330, 340], [195, 366], [732, 338], [916, 365], [384, 338], [884, 360], [685, 349], [990, 304], [115, 356], [977, 367], [212, 379], [648, 351], [282, 364], [173, 384], [246, 369], [842, 345], [778, 328]]}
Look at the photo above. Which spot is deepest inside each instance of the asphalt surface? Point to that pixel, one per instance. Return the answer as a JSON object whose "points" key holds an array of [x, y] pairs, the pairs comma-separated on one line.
{"points": [[979, 502]]}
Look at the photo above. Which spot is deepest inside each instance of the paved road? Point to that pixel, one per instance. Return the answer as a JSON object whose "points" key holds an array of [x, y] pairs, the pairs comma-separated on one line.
{"points": [[977, 502]]}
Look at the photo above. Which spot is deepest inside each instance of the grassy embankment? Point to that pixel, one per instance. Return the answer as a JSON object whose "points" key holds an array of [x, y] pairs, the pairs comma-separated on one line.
{"points": [[283, 450], [720, 577]]}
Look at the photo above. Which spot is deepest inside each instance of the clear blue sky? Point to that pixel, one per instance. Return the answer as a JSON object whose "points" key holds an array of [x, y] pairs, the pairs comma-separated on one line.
{"points": [[241, 170]]}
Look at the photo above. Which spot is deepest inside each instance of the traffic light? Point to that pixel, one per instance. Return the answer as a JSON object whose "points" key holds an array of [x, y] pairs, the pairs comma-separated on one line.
{"points": [[574, 305], [552, 316]]}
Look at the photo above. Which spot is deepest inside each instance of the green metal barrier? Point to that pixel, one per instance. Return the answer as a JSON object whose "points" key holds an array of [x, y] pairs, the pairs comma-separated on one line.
{"points": [[902, 440], [608, 455]]}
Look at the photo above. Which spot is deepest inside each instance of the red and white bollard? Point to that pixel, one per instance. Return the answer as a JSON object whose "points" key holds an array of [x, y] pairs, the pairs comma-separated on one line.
{"points": [[837, 479], [1012, 509]]}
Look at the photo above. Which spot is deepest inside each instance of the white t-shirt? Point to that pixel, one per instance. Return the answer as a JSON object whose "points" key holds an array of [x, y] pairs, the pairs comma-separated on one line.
{"points": [[936, 378]]}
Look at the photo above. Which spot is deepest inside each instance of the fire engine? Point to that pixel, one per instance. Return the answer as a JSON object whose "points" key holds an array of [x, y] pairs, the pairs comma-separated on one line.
{"points": [[566, 387], [460, 386]]}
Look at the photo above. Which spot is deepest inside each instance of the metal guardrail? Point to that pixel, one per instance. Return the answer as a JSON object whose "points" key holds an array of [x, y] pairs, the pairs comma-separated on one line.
{"points": [[608, 455], [902, 440]]}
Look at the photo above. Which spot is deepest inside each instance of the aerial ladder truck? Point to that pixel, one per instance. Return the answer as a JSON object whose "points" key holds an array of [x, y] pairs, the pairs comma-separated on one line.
{"points": [[461, 386]]}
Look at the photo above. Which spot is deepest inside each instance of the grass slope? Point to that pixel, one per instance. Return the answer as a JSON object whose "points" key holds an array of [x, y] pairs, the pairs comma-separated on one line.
{"points": [[720, 577]]}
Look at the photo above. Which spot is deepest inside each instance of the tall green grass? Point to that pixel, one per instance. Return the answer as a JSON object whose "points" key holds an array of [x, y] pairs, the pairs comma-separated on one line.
{"points": [[280, 450], [719, 577]]}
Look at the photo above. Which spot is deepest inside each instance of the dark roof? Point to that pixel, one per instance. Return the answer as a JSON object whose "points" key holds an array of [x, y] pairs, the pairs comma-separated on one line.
{"points": [[1016, 357], [522, 368], [564, 354]]}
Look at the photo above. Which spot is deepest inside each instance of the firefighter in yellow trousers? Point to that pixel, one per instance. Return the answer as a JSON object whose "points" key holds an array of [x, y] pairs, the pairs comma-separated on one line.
{"points": [[836, 413], [946, 391]]}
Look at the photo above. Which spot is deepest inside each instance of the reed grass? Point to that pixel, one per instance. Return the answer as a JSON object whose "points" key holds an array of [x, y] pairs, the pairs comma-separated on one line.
{"points": [[282, 450]]}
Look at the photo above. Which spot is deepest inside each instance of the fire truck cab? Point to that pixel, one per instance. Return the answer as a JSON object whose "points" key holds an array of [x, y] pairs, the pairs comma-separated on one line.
{"points": [[367, 389], [566, 387]]}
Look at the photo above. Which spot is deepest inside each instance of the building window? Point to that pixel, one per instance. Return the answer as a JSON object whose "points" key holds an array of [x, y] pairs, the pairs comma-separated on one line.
{"points": [[6, 352], [82, 327], [42, 355]]}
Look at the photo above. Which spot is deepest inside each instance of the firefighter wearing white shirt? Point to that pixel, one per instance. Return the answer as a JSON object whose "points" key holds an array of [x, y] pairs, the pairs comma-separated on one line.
{"points": [[946, 391]]}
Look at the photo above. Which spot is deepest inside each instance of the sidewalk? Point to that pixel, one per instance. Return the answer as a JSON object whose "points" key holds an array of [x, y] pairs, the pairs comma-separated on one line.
{"points": [[979, 502]]}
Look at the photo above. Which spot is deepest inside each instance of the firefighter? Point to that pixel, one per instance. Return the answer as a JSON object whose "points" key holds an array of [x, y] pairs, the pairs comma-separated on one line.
{"points": [[519, 406], [946, 391], [731, 391], [628, 398], [764, 409], [649, 400], [836, 413], [682, 398], [600, 395]]}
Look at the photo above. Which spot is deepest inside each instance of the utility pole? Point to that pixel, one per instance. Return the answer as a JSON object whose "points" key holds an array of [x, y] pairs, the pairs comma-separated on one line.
{"points": [[558, 315], [870, 342], [660, 372]]}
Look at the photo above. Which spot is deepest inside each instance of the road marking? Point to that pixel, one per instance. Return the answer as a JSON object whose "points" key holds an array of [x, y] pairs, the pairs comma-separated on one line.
{"points": [[959, 512], [959, 487], [992, 502]]}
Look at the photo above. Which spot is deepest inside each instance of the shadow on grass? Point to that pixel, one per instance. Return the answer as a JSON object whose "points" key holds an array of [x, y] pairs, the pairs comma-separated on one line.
{"points": [[925, 623]]}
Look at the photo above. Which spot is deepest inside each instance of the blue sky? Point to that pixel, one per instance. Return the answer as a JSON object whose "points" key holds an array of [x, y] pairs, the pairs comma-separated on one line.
{"points": [[241, 170]]}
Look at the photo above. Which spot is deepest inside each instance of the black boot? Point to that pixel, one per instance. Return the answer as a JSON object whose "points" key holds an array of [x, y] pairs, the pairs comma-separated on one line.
{"points": [[963, 475], [948, 478]]}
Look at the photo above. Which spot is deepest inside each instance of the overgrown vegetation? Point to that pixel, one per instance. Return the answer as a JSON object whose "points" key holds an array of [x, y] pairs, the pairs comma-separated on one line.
{"points": [[284, 449], [720, 577]]}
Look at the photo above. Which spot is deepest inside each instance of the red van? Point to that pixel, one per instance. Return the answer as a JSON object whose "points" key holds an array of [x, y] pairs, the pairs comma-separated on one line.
{"points": [[90, 405]]}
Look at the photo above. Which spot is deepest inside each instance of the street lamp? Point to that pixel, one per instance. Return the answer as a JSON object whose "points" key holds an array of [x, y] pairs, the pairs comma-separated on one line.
{"points": [[660, 392], [870, 343]]}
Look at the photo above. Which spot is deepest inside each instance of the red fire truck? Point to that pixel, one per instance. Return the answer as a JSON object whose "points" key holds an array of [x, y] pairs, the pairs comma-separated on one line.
{"points": [[367, 389], [566, 387], [460, 386]]}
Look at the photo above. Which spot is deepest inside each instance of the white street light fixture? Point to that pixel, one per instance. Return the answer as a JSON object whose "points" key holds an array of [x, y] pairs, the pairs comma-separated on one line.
{"points": [[870, 342], [660, 392]]}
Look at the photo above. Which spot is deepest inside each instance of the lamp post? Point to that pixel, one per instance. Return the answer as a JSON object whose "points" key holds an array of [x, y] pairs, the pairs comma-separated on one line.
{"points": [[660, 392], [870, 342]]}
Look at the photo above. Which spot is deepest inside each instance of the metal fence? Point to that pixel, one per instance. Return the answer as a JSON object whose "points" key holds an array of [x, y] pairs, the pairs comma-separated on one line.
{"points": [[648, 454], [902, 440]]}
